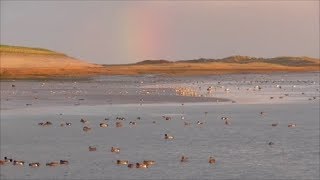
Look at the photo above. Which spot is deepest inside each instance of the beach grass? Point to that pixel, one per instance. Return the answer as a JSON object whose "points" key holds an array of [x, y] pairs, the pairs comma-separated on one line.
{"points": [[7, 49]]}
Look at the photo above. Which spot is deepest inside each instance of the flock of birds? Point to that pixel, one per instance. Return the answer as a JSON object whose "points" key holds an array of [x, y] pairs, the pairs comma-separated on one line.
{"points": [[119, 122], [117, 150]]}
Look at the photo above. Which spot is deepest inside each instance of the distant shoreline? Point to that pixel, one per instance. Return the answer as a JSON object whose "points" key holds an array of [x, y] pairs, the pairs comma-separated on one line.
{"points": [[36, 63]]}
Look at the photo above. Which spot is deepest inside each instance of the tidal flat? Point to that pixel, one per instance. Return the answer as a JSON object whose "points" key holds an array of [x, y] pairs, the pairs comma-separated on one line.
{"points": [[190, 109]]}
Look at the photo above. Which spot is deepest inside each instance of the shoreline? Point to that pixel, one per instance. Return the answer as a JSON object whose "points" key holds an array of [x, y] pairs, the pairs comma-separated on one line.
{"points": [[88, 73]]}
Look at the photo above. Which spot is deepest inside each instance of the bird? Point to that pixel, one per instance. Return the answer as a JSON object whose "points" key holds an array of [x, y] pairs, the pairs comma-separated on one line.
{"points": [[86, 129], [122, 162], [19, 163], [92, 148], [34, 164], [166, 136], [212, 160], [115, 149], [149, 162], [103, 125], [184, 159]]}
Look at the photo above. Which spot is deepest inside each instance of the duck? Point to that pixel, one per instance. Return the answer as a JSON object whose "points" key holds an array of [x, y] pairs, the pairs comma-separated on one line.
{"points": [[6, 159], [47, 123], [291, 125], [86, 129], [34, 164], [132, 123], [166, 136], [184, 159], [212, 160], [64, 162], [274, 124], [118, 124], [122, 162], [141, 166], [270, 143], [130, 165], [103, 125], [149, 162], [187, 123], [224, 118], [262, 113], [2, 162], [227, 122], [92, 148], [54, 163], [19, 163], [115, 149], [68, 124], [199, 123], [84, 121]]}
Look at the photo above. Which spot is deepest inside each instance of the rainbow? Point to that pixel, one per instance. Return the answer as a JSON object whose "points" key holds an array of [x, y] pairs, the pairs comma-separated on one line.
{"points": [[143, 33]]}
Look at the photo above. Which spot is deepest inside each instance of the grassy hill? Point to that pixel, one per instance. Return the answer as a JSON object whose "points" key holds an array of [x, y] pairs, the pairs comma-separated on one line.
{"points": [[6, 49]]}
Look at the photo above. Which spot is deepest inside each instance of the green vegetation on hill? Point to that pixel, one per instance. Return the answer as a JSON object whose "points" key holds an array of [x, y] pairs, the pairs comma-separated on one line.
{"points": [[27, 50]]}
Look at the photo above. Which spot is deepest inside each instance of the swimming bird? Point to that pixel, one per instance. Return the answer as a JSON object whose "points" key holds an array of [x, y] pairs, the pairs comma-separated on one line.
{"points": [[68, 124], [212, 160], [130, 165], [118, 124], [141, 165], [115, 149], [274, 124], [103, 125], [122, 162], [199, 123], [6, 159], [19, 163], [166, 136], [47, 123], [291, 125], [187, 123], [224, 118], [270, 143], [54, 163], [84, 121], [132, 123], [64, 162], [34, 164], [92, 148], [86, 129], [149, 162], [184, 159]]}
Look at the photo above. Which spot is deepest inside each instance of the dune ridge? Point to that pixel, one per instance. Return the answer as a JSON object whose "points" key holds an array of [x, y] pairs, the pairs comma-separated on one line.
{"points": [[23, 62]]}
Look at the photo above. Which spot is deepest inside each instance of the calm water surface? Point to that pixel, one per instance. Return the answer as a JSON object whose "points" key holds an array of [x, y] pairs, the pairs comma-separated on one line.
{"points": [[241, 149]]}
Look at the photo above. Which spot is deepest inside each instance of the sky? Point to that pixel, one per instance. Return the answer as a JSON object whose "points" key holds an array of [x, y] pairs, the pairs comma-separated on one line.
{"points": [[112, 32]]}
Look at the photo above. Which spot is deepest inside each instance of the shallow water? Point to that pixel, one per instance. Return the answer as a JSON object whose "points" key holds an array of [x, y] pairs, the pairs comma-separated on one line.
{"points": [[241, 149]]}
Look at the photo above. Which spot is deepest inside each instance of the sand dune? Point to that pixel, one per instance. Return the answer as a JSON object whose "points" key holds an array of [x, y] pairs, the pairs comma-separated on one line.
{"points": [[23, 62], [40, 61]]}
